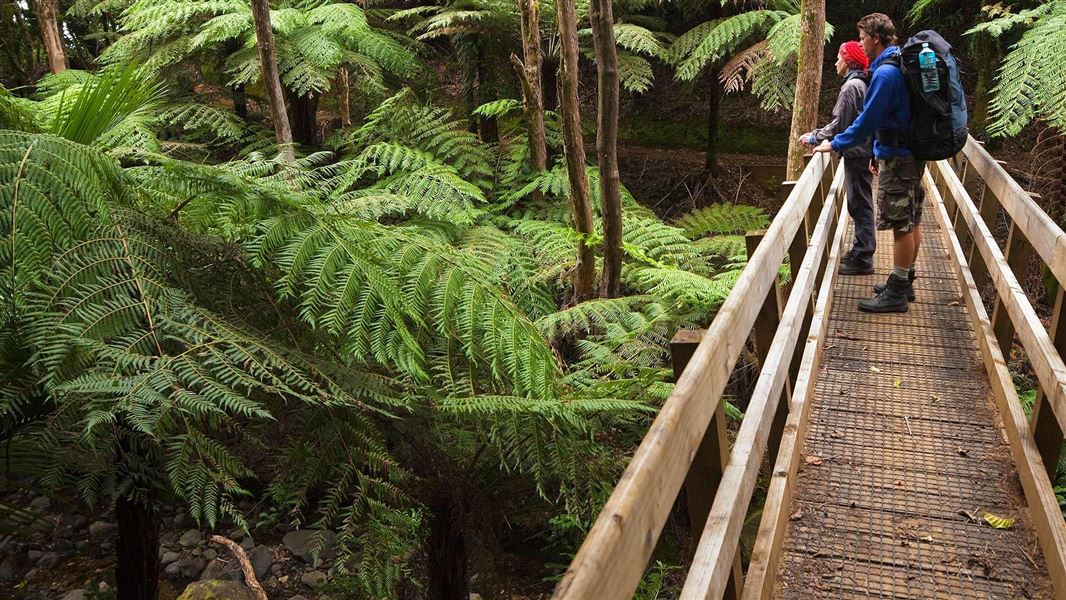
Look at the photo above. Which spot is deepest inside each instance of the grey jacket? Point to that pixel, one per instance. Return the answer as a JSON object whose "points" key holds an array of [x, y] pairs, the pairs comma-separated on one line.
{"points": [[847, 109]]}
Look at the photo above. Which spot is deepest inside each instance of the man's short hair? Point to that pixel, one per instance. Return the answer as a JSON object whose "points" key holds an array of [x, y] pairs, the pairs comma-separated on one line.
{"points": [[878, 25]]}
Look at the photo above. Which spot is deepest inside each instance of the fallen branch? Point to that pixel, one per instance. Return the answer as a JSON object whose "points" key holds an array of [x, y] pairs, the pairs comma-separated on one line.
{"points": [[246, 565]]}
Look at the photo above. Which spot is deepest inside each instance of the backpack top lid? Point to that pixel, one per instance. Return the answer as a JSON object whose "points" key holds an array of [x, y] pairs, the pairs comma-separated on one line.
{"points": [[934, 39]]}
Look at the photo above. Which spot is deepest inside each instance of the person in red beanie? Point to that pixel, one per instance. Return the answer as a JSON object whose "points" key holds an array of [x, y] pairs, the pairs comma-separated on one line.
{"points": [[851, 64]]}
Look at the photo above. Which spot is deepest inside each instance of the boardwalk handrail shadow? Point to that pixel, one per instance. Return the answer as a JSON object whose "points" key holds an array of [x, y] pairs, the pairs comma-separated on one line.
{"points": [[686, 443]]}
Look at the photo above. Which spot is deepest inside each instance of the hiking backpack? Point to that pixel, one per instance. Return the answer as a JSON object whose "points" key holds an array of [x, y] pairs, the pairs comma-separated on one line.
{"points": [[938, 119]]}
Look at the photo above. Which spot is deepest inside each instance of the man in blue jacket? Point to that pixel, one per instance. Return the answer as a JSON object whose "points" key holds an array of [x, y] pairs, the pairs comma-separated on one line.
{"points": [[886, 114]]}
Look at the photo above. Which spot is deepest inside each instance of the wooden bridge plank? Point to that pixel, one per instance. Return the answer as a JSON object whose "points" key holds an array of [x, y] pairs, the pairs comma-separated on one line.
{"points": [[902, 431]]}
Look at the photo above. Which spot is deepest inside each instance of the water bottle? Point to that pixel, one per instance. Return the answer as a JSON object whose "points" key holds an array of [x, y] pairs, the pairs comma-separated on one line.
{"points": [[927, 63]]}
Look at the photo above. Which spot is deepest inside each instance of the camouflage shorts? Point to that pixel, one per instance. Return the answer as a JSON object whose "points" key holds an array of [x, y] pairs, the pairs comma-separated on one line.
{"points": [[899, 193]]}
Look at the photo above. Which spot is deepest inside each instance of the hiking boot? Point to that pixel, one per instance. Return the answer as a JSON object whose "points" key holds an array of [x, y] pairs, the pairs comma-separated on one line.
{"points": [[892, 299], [853, 265], [911, 276]]}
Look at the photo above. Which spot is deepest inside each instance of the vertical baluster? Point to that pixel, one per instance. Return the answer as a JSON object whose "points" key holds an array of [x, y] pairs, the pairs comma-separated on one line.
{"points": [[1046, 432], [1017, 253], [765, 328]]}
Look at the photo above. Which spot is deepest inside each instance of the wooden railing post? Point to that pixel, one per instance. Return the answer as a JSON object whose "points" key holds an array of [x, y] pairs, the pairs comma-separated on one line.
{"points": [[1017, 253], [785, 189], [971, 180], [765, 329], [988, 206], [708, 464], [796, 250], [1047, 433]]}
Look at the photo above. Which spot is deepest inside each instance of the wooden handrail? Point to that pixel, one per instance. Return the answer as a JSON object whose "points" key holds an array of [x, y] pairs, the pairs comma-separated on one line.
{"points": [[1045, 358], [611, 561], [721, 534], [1046, 237], [758, 583], [1043, 506]]}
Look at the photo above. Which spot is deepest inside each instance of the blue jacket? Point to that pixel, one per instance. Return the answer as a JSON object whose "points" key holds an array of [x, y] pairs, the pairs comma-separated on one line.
{"points": [[887, 106]]}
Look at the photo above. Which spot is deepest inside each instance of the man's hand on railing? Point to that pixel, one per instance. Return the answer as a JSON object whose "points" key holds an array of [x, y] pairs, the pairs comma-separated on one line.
{"points": [[824, 147]]}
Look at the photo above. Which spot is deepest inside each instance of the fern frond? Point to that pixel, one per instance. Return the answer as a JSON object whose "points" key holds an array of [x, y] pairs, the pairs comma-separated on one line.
{"points": [[720, 39], [1032, 77], [635, 72], [720, 219], [637, 39]]}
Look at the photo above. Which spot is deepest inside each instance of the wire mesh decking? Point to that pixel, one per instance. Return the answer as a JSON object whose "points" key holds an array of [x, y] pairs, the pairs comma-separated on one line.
{"points": [[904, 448]]}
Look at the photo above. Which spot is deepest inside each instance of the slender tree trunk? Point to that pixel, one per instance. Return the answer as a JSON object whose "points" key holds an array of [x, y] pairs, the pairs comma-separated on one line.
{"points": [[303, 111], [344, 88], [714, 100], [47, 18], [137, 565], [550, 82], [486, 127], [240, 102], [808, 81], [574, 149], [529, 73], [603, 42], [268, 63], [447, 561], [1058, 180]]}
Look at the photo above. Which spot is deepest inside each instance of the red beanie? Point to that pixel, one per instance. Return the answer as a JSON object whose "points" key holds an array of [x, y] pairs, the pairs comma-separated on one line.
{"points": [[854, 55]]}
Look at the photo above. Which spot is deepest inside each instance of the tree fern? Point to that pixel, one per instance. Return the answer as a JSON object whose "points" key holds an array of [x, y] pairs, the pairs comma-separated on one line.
{"points": [[710, 42], [1032, 76], [313, 41]]}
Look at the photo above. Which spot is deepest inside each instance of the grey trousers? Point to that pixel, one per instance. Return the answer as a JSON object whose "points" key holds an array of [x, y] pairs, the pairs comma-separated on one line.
{"points": [[857, 180]]}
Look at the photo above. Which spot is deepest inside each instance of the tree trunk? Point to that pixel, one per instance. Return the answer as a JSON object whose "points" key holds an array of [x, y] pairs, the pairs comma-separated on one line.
{"points": [[268, 63], [137, 566], [446, 564], [808, 81], [574, 150], [529, 74], [1058, 180], [345, 92], [714, 100], [603, 42], [303, 112], [240, 102], [47, 11], [550, 82], [486, 127]]}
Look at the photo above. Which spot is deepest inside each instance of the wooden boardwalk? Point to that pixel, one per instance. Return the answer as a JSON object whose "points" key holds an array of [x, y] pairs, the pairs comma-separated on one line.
{"points": [[904, 439], [890, 436]]}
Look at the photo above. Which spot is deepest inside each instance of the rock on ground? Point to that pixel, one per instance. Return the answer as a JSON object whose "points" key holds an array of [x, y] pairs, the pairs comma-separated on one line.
{"points": [[101, 529], [261, 558], [190, 538], [302, 541], [313, 579], [216, 590]]}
